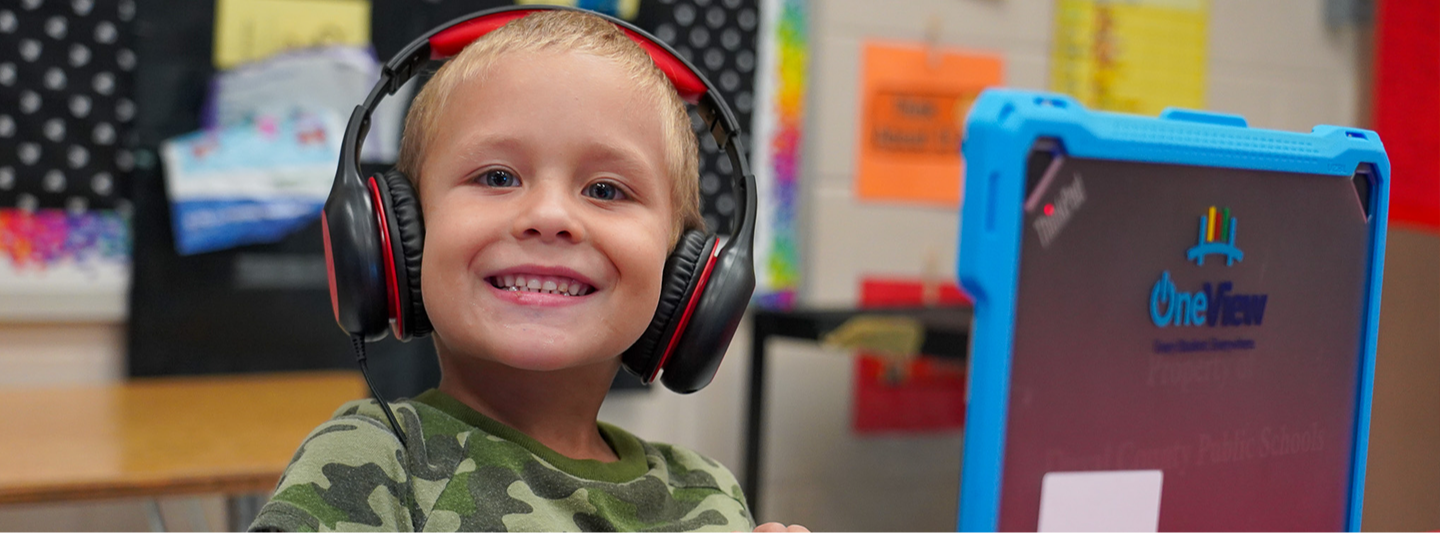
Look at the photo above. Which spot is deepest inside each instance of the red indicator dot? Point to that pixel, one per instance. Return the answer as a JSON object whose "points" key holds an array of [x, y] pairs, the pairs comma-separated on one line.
{"points": [[1049, 209]]}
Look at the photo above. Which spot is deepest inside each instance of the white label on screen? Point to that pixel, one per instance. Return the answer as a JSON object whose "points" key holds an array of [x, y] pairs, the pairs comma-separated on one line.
{"points": [[1122, 500]]}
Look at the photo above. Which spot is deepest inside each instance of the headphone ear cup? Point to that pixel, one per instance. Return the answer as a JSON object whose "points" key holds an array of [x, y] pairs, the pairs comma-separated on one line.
{"points": [[408, 247], [718, 309], [678, 282], [355, 253]]}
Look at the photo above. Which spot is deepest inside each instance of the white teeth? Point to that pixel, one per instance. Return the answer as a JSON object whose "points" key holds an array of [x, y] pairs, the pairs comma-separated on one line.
{"points": [[542, 284]]}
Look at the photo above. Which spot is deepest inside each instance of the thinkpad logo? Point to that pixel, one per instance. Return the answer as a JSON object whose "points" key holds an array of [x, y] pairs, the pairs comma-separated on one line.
{"points": [[1057, 214]]}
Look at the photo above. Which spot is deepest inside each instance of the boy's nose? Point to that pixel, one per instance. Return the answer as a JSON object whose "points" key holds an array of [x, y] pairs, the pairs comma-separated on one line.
{"points": [[549, 216]]}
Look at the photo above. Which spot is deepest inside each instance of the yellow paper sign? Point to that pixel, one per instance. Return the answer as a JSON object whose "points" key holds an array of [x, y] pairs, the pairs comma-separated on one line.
{"points": [[247, 30], [1135, 56], [914, 103], [625, 9]]}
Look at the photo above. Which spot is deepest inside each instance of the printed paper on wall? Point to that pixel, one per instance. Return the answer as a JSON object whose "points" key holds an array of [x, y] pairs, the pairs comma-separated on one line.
{"points": [[1135, 56], [247, 30], [914, 100]]}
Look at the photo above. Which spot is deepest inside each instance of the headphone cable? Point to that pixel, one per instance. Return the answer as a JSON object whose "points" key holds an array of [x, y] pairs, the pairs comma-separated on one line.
{"points": [[359, 343]]}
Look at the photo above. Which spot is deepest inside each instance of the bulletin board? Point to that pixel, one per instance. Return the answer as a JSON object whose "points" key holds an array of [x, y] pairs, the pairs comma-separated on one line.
{"points": [[66, 108], [266, 307]]}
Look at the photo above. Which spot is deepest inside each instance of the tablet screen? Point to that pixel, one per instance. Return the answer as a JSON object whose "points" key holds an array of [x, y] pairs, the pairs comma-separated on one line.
{"points": [[1199, 322]]}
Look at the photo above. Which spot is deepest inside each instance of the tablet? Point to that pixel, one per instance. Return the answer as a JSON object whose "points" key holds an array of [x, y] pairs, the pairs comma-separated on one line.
{"points": [[1175, 319]]}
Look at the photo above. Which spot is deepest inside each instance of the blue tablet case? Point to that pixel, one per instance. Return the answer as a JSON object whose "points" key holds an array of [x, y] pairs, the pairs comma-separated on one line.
{"points": [[1005, 127]]}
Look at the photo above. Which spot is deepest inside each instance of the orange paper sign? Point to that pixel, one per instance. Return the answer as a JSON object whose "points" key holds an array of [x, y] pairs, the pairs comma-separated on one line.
{"points": [[912, 116]]}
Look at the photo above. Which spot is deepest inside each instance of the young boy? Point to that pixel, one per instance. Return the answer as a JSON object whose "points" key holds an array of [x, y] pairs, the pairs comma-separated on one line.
{"points": [[556, 169]]}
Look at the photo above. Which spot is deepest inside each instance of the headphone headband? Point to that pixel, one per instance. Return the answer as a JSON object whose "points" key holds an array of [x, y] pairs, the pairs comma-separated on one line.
{"points": [[448, 40]]}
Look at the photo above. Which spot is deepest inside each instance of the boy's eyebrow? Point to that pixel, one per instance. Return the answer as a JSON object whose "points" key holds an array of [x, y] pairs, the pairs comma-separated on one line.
{"points": [[471, 145], [631, 158], [479, 146]]}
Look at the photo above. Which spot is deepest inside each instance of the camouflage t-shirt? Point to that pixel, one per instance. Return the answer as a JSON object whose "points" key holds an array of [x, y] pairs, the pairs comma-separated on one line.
{"points": [[471, 473]]}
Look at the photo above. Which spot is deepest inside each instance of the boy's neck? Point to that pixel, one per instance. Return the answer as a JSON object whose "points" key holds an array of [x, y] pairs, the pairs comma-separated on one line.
{"points": [[557, 408]]}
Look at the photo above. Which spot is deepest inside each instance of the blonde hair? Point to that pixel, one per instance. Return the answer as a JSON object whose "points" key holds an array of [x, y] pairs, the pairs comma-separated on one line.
{"points": [[566, 31]]}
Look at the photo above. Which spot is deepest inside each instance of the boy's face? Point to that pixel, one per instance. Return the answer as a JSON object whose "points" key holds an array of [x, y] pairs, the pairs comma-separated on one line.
{"points": [[548, 168]]}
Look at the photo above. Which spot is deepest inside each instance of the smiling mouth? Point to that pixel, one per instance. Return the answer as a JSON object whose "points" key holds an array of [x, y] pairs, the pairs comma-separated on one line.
{"points": [[540, 284]]}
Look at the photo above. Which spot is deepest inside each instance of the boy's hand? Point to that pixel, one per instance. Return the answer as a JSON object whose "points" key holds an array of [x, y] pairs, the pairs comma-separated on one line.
{"points": [[772, 527]]}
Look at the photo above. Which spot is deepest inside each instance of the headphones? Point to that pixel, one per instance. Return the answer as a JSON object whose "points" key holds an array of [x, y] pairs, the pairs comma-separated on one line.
{"points": [[374, 232]]}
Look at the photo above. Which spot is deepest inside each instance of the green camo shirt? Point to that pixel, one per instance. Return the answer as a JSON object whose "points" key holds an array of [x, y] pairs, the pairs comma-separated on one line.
{"points": [[472, 473]]}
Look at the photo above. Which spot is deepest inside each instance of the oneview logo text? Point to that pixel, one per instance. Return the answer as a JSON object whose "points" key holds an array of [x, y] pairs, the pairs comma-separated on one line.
{"points": [[1211, 305]]}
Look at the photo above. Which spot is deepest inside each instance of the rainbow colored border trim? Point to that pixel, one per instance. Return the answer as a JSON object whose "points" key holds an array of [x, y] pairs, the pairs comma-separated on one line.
{"points": [[44, 239], [778, 260]]}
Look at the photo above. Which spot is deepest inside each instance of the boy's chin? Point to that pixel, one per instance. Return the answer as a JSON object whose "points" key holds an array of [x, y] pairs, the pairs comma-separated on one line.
{"points": [[538, 361], [545, 356]]}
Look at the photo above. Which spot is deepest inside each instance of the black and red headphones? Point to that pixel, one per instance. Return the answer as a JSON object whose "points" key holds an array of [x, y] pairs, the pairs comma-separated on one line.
{"points": [[374, 231]]}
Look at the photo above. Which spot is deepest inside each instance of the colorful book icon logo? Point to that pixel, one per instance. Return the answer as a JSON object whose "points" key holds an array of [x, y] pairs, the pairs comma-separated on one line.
{"points": [[1217, 236]]}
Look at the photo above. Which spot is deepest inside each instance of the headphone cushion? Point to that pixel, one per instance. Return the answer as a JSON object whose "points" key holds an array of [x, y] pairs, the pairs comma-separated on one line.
{"points": [[678, 281], [405, 209]]}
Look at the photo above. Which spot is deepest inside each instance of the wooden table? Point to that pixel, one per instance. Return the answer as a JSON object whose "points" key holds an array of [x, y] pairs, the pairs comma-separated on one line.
{"points": [[153, 437]]}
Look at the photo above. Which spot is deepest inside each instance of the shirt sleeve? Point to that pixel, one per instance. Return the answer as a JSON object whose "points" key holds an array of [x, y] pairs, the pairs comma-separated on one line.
{"points": [[721, 492], [347, 475]]}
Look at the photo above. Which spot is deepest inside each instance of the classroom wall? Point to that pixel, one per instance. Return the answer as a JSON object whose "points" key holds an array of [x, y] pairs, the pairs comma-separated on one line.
{"points": [[1275, 62]]}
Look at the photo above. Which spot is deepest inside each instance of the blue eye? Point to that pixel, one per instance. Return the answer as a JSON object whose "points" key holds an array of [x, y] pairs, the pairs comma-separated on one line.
{"points": [[499, 178], [604, 191]]}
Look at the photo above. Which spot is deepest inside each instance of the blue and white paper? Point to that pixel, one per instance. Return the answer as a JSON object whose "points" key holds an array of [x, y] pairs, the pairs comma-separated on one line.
{"points": [[336, 78], [251, 183]]}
